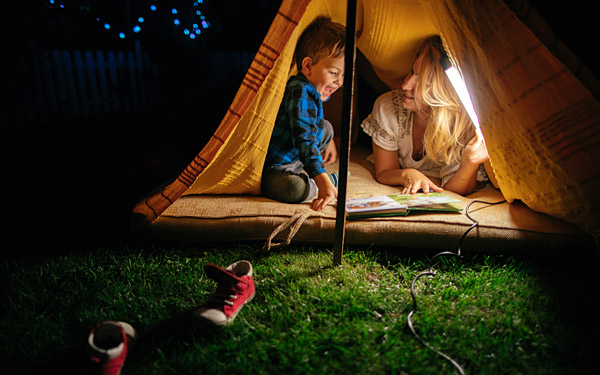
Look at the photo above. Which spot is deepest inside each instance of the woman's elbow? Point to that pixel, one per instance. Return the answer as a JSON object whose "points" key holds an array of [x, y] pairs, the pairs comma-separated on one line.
{"points": [[379, 179], [383, 178]]}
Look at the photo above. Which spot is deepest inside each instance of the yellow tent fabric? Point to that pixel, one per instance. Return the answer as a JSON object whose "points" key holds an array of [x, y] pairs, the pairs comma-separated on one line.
{"points": [[538, 107]]}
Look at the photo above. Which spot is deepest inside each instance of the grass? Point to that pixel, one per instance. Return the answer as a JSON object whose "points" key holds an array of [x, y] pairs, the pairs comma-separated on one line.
{"points": [[492, 314]]}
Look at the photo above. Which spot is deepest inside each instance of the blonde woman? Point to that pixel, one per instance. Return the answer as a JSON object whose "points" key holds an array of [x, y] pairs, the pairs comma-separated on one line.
{"points": [[423, 131]]}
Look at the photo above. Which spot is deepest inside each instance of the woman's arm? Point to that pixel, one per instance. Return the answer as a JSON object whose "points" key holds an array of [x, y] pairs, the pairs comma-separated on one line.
{"points": [[464, 180], [388, 172]]}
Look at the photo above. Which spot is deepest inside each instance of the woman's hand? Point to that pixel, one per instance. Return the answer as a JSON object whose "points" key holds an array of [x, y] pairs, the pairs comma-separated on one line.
{"points": [[464, 180], [415, 181], [388, 172], [475, 152]]}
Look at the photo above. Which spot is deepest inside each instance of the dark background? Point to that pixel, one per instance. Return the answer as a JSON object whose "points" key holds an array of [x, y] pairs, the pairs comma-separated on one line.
{"points": [[69, 184]]}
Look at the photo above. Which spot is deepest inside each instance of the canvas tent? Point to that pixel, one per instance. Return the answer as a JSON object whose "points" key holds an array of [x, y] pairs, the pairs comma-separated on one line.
{"points": [[537, 104]]}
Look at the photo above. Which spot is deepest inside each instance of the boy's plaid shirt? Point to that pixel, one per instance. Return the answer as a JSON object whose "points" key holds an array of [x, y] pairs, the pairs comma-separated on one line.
{"points": [[297, 133]]}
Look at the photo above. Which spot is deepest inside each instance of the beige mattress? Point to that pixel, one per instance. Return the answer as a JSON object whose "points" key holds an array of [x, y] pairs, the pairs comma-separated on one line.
{"points": [[504, 227]]}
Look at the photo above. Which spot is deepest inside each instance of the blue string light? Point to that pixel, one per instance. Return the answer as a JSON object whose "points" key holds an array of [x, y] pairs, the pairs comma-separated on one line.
{"points": [[196, 19]]}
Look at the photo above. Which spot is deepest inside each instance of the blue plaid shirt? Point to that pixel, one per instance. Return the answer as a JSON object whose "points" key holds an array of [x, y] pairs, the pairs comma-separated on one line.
{"points": [[297, 133]]}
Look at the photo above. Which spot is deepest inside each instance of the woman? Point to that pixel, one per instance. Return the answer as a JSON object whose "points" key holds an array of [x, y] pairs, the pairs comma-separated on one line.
{"points": [[423, 131]]}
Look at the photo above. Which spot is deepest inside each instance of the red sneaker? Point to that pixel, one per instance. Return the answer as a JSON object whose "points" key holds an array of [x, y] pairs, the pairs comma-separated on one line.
{"points": [[108, 343], [235, 288]]}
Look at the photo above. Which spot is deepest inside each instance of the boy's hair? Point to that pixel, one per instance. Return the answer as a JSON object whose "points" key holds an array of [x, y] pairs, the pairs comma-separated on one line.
{"points": [[321, 38]]}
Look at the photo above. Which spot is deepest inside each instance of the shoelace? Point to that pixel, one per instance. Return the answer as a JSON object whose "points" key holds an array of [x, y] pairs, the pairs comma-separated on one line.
{"points": [[222, 295], [219, 299]]}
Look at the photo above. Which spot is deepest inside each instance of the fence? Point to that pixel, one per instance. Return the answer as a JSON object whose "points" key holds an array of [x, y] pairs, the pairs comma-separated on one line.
{"points": [[59, 86]]}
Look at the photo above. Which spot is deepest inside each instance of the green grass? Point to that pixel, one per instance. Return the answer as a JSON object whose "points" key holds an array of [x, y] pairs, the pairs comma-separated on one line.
{"points": [[492, 314]]}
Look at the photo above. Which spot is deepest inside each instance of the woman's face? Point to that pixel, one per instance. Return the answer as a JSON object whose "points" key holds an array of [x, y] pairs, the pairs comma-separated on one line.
{"points": [[408, 98]]}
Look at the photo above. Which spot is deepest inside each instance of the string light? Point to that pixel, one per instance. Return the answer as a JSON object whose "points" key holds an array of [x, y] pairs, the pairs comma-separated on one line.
{"points": [[175, 15]]}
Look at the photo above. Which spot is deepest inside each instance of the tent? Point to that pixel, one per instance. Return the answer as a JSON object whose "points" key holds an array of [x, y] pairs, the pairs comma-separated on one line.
{"points": [[537, 103]]}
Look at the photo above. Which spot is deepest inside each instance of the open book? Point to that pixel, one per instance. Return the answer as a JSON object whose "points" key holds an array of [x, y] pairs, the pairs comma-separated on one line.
{"points": [[399, 204]]}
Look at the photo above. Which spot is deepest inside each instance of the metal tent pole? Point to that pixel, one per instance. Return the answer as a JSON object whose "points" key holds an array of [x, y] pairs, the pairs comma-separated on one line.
{"points": [[344, 153]]}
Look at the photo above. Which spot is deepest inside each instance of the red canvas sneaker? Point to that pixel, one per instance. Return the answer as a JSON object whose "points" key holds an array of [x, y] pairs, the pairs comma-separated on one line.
{"points": [[108, 343], [235, 288]]}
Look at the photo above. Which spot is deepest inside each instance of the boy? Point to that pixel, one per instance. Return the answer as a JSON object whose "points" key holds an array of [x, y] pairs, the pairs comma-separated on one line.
{"points": [[301, 144]]}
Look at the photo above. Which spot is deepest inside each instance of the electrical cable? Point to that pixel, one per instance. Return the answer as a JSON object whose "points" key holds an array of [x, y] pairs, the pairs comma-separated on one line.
{"points": [[431, 273]]}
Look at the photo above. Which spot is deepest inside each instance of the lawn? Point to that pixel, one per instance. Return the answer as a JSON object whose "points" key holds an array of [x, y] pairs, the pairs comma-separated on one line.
{"points": [[492, 314]]}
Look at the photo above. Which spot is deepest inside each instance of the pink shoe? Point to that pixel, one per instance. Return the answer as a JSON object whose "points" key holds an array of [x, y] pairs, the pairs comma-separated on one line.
{"points": [[108, 343], [235, 288]]}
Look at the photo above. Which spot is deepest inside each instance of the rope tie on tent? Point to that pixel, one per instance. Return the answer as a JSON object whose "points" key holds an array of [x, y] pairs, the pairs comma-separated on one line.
{"points": [[295, 222]]}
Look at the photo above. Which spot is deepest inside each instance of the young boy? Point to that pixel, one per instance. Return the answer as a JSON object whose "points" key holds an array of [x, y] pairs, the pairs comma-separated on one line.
{"points": [[301, 144]]}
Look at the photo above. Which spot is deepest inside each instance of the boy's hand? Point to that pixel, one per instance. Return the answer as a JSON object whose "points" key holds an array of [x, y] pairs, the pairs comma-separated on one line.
{"points": [[327, 192], [330, 154]]}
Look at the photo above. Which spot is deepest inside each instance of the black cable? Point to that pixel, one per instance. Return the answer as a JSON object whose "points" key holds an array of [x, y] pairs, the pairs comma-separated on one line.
{"points": [[412, 328], [431, 273]]}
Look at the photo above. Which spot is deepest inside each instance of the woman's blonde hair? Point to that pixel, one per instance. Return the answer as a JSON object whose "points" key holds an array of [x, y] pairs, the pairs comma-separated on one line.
{"points": [[449, 128]]}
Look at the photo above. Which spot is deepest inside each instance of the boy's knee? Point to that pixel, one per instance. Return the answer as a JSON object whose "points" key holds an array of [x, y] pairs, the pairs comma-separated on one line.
{"points": [[284, 186]]}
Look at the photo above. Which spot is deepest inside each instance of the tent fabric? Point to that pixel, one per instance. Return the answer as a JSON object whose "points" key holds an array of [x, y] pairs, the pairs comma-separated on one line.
{"points": [[538, 106]]}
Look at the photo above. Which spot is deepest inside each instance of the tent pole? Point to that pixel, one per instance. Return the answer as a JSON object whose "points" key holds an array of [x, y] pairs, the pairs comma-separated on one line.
{"points": [[344, 152]]}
